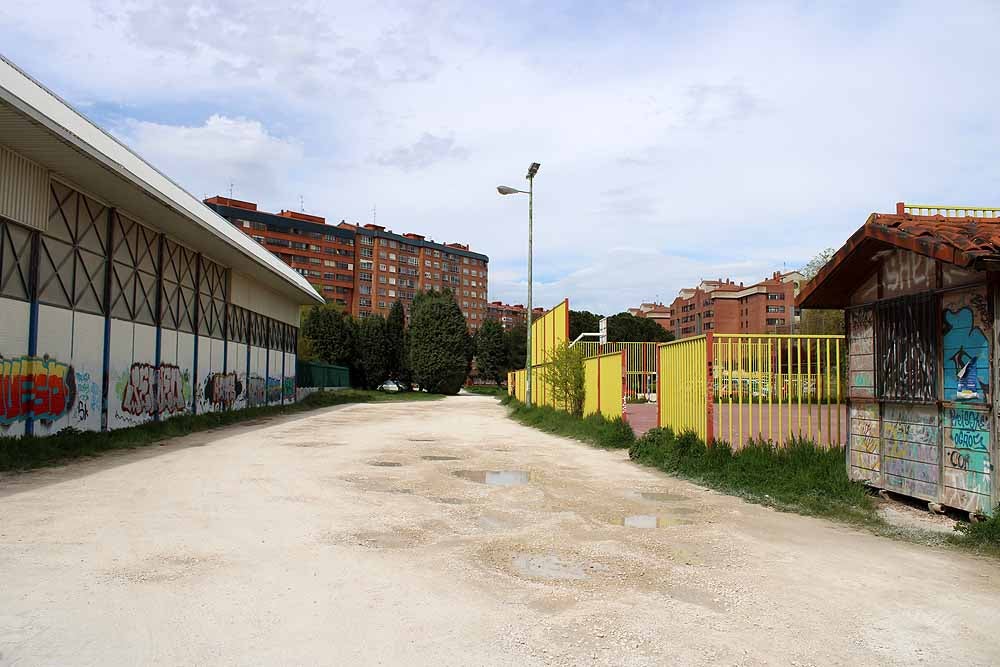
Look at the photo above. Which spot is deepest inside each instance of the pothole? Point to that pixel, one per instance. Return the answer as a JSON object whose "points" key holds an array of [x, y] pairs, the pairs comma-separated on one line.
{"points": [[660, 496], [449, 500], [422, 439], [385, 464], [434, 457], [552, 567], [495, 477], [647, 521], [395, 539], [314, 443]]}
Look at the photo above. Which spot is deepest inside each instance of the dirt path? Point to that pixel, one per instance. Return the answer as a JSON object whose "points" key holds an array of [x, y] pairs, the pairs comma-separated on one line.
{"points": [[281, 543]]}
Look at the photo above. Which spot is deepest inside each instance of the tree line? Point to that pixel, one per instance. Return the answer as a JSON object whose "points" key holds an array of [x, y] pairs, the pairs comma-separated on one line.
{"points": [[434, 351]]}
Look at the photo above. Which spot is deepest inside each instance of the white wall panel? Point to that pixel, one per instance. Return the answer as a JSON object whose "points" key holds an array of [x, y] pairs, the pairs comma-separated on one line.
{"points": [[274, 377], [13, 346], [257, 382], [289, 393], [237, 363], [70, 349]]}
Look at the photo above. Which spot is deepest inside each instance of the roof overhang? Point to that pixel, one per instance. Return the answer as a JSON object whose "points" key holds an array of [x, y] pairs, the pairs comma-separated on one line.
{"points": [[855, 262], [42, 127]]}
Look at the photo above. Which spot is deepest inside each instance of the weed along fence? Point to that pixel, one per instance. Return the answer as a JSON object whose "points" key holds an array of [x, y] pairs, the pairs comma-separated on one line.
{"points": [[739, 387], [604, 374], [640, 365]]}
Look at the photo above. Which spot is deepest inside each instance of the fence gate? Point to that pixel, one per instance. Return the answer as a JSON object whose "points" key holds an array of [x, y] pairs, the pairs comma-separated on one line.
{"points": [[684, 390]]}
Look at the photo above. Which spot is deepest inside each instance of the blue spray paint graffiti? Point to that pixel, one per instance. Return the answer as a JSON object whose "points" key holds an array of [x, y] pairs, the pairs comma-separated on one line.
{"points": [[966, 352]]}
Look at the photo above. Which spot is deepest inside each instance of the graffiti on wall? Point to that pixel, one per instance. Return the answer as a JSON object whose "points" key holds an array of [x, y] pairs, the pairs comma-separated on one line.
{"points": [[905, 272], [256, 391], [222, 390], [967, 463], [289, 387], [145, 386], [88, 396], [274, 387], [966, 327], [37, 387], [861, 358]]}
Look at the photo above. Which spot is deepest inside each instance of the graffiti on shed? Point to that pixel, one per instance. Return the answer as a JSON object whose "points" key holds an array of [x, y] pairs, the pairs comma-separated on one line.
{"points": [[966, 328]]}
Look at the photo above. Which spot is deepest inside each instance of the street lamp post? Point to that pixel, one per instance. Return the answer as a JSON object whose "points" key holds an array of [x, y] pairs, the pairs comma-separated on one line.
{"points": [[506, 190]]}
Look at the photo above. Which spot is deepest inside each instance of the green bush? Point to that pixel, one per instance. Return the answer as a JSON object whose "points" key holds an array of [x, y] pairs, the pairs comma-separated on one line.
{"points": [[374, 351]]}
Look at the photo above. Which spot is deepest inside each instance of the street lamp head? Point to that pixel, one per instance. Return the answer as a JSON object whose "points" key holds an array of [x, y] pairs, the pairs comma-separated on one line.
{"points": [[533, 169], [507, 190]]}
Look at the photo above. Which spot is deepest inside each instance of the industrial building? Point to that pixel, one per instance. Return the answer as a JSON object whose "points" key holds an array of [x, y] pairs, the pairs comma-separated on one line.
{"points": [[124, 299]]}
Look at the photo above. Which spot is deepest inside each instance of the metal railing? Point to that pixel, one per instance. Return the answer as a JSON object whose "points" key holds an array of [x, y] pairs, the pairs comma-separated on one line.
{"points": [[743, 387], [640, 365], [949, 211]]}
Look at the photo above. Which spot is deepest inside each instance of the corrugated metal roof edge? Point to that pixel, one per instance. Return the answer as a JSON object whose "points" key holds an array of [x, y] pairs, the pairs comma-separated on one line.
{"points": [[194, 209]]}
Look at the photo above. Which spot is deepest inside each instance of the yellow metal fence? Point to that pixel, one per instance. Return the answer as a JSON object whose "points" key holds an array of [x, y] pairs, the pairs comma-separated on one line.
{"points": [[603, 386], [756, 387], [640, 365], [684, 386]]}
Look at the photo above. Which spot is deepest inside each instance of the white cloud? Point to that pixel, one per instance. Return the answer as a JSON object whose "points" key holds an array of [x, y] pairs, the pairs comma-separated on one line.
{"points": [[207, 158]]}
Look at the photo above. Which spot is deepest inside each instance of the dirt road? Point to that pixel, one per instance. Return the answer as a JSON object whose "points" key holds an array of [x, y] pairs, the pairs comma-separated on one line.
{"points": [[382, 534]]}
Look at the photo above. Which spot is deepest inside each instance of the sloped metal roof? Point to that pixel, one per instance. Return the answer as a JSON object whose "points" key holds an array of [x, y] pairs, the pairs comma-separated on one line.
{"points": [[39, 125]]}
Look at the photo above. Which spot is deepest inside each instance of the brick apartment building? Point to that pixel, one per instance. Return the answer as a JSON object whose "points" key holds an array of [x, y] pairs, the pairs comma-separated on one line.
{"points": [[723, 306], [323, 253], [509, 316], [396, 266], [364, 268], [653, 311]]}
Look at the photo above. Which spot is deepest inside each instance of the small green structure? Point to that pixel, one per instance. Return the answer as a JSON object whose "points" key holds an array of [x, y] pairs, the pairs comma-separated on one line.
{"points": [[310, 374]]}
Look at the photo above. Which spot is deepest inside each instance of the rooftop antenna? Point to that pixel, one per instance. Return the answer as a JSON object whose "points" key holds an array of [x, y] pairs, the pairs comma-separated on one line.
{"points": [[302, 204], [231, 184], [373, 214]]}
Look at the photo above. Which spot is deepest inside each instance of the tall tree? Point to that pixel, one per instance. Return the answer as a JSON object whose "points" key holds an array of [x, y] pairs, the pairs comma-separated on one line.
{"points": [[582, 321], [516, 341], [491, 353], [439, 343], [373, 348], [395, 342], [329, 335], [627, 328], [814, 322]]}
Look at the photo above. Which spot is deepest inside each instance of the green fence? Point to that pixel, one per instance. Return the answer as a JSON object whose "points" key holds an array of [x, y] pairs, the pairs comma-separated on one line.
{"points": [[311, 374]]}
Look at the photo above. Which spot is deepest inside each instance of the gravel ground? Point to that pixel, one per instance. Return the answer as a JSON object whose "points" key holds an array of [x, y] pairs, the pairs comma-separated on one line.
{"points": [[298, 541]]}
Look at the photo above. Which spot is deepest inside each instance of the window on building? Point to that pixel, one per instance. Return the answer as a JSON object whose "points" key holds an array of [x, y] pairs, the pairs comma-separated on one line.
{"points": [[775, 309], [775, 297]]}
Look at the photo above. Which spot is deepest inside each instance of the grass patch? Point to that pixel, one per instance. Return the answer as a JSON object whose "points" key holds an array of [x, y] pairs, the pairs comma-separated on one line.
{"points": [[801, 476], [594, 429], [982, 537], [33, 452]]}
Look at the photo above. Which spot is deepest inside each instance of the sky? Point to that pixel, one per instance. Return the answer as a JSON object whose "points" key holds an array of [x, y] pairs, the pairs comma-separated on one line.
{"points": [[677, 141]]}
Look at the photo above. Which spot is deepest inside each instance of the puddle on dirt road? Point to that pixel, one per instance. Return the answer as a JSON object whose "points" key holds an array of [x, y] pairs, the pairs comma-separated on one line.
{"points": [[553, 567], [449, 500], [385, 464], [647, 521], [659, 496], [422, 439], [313, 443], [495, 477], [441, 458]]}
